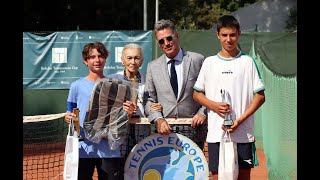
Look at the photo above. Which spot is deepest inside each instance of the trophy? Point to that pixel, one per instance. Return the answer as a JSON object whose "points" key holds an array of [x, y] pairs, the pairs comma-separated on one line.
{"points": [[135, 87], [76, 120], [228, 122]]}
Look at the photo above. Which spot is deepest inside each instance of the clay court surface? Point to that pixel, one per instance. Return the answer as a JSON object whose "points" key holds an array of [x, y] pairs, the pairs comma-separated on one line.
{"points": [[52, 167], [260, 172]]}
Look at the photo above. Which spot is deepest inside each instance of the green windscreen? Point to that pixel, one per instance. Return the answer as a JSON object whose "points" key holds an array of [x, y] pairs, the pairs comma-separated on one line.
{"points": [[276, 121]]}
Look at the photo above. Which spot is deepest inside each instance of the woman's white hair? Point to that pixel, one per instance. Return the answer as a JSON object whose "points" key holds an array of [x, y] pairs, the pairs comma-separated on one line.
{"points": [[132, 46]]}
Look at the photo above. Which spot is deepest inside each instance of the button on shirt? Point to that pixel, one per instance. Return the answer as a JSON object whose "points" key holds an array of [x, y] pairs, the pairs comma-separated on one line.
{"points": [[179, 69]]}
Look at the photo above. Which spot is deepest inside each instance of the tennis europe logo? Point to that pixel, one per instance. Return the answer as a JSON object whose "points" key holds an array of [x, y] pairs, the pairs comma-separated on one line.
{"points": [[164, 157]]}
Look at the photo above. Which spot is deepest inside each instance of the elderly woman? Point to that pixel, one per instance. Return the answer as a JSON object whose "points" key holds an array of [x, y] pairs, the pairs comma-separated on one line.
{"points": [[132, 59]]}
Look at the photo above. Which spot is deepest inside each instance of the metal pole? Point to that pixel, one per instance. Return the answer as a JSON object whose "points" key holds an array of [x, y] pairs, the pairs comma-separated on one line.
{"points": [[144, 15], [157, 10], [156, 20]]}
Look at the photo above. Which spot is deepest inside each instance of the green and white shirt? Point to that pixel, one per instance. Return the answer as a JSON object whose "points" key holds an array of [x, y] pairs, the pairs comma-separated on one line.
{"points": [[240, 77]]}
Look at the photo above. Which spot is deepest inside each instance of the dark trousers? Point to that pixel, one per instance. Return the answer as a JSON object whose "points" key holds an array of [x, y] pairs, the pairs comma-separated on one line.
{"points": [[107, 168]]}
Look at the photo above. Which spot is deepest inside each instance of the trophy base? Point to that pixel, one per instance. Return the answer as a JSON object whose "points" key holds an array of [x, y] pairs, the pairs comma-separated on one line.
{"points": [[227, 123]]}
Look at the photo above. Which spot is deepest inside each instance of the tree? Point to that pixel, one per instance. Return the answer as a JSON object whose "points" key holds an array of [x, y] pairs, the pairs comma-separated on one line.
{"points": [[292, 20], [198, 14], [124, 14]]}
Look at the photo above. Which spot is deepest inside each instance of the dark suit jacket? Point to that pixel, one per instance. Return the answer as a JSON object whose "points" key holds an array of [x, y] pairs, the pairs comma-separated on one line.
{"points": [[158, 88]]}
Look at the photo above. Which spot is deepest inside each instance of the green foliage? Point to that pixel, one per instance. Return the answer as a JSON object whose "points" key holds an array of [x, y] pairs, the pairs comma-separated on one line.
{"points": [[124, 14], [206, 19], [198, 14], [292, 20], [233, 5]]}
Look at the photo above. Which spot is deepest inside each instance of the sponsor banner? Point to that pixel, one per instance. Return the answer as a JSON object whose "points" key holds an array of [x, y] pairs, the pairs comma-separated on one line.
{"points": [[54, 60], [164, 157]]}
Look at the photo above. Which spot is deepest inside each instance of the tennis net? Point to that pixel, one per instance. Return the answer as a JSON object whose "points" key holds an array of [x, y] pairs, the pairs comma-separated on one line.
{"points": [[44, 138]]}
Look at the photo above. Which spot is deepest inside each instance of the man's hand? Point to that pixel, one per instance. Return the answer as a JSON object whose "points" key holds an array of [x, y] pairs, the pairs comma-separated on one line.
{"points": [[220, 108], [163, 127], [198, 120], [235, 125], [68, 117]]}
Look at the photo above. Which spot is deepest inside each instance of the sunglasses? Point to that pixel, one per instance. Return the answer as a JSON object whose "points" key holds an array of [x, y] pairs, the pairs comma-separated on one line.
{"points": [[169, 38]]}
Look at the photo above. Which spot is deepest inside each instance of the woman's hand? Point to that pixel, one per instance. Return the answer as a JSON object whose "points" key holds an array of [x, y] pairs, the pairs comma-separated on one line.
{"points": [[129, 107], [156, 107]]}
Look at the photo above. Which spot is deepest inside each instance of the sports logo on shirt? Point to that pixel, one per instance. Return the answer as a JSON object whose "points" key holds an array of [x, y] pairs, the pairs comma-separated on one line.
{"points": [[163, 157]]}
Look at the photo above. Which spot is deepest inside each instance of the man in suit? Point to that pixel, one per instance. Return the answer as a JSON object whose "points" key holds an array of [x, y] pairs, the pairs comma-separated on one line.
{"points": [[174, 95]]}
